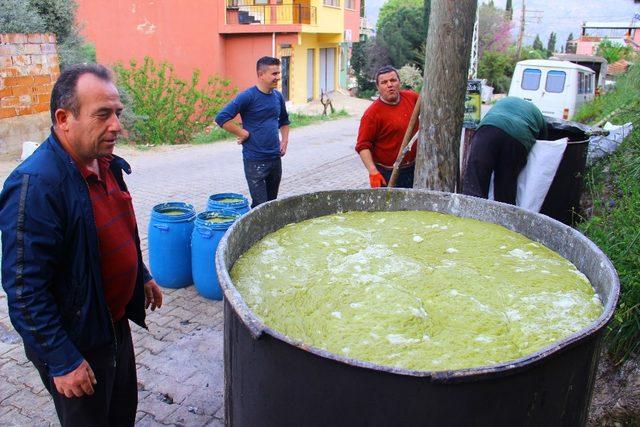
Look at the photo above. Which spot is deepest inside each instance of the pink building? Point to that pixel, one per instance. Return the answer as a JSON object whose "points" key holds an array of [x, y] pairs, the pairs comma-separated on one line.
{"points": [[618, 32], [226, 37]]}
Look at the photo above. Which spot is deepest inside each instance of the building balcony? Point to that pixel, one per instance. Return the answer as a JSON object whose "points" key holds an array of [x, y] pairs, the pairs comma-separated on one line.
{"points": [[255, 13]]}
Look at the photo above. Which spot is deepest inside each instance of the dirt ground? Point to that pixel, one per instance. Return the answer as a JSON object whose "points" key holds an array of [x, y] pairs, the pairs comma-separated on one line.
{"points": [[616, 397]]}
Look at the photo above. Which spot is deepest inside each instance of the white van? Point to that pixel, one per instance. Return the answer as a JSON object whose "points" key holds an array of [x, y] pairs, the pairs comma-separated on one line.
{"points": [[557, 88]]}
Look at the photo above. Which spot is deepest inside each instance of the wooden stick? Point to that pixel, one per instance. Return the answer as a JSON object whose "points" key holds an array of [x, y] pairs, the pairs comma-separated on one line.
{"points": [[405, 141]]}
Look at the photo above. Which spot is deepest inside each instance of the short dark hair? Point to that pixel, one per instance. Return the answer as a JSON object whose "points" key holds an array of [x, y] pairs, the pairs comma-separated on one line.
{"points": [[266, 61], [386, 69], [63, 94]]}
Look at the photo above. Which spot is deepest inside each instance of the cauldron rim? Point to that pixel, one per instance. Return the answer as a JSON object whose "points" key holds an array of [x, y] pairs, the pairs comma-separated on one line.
{"points": [[257, 327]]}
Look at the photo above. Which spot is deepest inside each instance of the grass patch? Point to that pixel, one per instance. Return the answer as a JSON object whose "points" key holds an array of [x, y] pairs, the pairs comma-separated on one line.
{"points": [[613, 184], [623, 99], [215, 134], [300, 119], [296, 119]]}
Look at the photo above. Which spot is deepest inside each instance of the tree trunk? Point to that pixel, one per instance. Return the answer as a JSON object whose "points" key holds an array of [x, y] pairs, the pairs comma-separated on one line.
{"points": [[445, 83]]}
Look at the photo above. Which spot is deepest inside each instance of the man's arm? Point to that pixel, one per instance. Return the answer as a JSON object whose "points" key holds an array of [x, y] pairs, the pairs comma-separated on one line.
{"points": [[32, 245], [284, 142], [283, 124], [224, 119], [367, 160], [375, 177], [366, 134], [241, 134]]}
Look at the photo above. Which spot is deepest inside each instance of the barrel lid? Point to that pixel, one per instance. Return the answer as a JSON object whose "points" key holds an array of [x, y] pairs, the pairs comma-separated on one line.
{"points": [[216, 219], [173, 212], [229, 199]]}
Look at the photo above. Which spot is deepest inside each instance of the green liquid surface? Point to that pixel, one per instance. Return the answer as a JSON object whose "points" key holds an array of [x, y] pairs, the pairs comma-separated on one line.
{"points": [[218, 220], [417, 290], [173, 212], [229, 200]]}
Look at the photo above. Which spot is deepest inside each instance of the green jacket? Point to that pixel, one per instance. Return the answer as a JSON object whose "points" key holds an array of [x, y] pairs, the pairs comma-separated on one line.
{"points": [[519, 118]]}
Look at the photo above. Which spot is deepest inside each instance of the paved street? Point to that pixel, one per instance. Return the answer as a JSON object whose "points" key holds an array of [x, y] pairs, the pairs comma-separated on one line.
{"points": [[180, 370]]}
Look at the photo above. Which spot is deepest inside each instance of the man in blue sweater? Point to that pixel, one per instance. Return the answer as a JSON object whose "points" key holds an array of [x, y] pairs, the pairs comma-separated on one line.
{"points": [[263, 113]]}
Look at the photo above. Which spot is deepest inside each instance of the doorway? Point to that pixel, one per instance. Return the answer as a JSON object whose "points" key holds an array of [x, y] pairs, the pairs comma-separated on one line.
{"points": [[311, 71], [327, 69], [285, 62]]}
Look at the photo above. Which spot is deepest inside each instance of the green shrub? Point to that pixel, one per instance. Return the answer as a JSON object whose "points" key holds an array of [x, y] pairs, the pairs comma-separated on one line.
{"points": [[411, 77], [497, 68], [17, 16], [48, 16], [613, 52], [166, 109], [367, 93], [614, 224]]}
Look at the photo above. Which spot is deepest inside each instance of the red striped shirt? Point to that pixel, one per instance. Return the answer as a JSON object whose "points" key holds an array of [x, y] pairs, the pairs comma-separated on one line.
{"points": [[116, 225]]}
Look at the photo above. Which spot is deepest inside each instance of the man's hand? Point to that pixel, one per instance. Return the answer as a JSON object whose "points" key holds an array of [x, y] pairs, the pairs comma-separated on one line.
{"points": [[283, 147], [376, 179], [78, 382], [152, 295], [244, 135]]}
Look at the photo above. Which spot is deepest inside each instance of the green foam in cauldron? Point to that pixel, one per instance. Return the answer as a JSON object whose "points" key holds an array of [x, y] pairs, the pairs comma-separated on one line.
{"points": [[412, 289]]}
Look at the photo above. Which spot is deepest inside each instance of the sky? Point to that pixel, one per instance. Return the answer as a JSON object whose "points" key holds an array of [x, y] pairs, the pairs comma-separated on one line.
{"points": [[561, 16]]}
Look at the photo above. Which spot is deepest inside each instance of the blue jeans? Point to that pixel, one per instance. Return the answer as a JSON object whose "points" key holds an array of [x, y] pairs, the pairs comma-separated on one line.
{"points": [[263, 179], [405, 175]]}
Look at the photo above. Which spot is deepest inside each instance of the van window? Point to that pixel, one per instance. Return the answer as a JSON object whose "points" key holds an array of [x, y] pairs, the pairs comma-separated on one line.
{"points": [[555, 81], [531, 79], [581, 83]]}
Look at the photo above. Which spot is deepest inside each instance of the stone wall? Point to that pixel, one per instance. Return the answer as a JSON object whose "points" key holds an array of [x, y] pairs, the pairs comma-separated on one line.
{"points": [[29, 67]]}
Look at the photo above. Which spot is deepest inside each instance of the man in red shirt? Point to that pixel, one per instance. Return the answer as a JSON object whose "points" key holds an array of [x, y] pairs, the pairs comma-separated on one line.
{"points": [[382, 130]]}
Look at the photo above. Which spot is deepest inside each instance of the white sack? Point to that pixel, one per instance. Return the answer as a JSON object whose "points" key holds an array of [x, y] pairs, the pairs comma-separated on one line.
{"points": [[536, 177], [600, 146], [28, 147]]}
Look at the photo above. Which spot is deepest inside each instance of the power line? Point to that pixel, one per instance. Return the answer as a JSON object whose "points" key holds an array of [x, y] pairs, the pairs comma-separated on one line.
{"points": [[527, 17]]}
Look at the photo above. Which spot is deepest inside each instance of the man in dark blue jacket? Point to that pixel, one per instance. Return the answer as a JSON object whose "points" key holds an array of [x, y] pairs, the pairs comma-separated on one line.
{"points": [[71, 262], [264, 116]]}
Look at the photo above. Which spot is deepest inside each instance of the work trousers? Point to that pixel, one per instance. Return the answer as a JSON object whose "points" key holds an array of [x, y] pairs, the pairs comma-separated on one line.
{"points": [[405, 175], [493, 151], [263, 179], [115, 398]]}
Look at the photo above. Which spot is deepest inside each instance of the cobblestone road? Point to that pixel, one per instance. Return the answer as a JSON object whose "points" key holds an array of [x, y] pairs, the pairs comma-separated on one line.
{"points": [[180, 371]]}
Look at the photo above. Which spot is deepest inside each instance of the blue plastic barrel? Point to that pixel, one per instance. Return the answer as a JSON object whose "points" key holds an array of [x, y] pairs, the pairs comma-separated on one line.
{"points": [[233, 201], [209, 228], [170, 231]]}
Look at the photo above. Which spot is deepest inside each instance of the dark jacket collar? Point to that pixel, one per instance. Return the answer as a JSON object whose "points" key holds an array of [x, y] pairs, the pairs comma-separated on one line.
{"points": [[55, 144]]}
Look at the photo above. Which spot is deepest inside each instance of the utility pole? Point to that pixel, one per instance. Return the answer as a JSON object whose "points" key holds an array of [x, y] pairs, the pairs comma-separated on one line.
{"points": [[527, 16], [521, 35], [473, 68], [443, 93]]}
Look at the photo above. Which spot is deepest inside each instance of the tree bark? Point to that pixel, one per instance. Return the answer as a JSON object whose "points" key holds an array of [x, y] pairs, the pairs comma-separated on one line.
{"points": [[443, 93]]}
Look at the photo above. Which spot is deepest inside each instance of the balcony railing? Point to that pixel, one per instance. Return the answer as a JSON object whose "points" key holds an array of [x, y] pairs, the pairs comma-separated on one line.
{"points": [[247, 12]]}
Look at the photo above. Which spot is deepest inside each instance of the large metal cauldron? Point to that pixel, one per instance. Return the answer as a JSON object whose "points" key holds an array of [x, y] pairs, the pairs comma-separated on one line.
{"points": [[272, 380]]}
